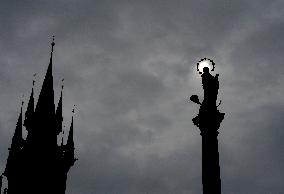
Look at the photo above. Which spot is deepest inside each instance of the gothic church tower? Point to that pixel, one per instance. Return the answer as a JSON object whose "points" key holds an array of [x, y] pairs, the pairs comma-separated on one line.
{"points": [[37, 164]]}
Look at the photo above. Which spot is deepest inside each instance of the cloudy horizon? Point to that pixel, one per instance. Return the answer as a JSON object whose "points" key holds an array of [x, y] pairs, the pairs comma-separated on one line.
{"points": [[129, 67]]}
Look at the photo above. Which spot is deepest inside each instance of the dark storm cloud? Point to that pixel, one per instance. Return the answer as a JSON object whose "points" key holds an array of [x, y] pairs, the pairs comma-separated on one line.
{"points": [[129, 66]]}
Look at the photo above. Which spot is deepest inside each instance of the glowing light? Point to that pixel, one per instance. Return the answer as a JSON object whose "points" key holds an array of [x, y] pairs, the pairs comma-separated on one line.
{"points": [[205, 62]]}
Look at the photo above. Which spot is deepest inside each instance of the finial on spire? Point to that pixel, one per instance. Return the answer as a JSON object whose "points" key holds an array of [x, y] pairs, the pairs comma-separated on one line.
{"points": [[52, 48], [73, 110], [34, 79], [52, 44], [23, 100], [62, 86]]}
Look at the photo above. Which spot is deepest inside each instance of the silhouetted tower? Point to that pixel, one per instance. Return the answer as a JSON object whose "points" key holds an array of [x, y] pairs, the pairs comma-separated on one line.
{"points": [[208, 121], [38, 164]]}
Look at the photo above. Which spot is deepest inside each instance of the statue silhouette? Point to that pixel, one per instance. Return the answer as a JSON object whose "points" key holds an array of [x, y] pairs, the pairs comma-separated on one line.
{"points": [[210, 86], [208, 121]]}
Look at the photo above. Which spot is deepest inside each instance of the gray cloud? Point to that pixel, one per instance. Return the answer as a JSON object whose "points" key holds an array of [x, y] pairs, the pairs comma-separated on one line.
{"points": [[129, 66]]}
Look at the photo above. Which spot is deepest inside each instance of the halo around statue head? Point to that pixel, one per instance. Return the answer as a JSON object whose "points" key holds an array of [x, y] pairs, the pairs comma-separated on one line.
{"points": [[203, 60]]}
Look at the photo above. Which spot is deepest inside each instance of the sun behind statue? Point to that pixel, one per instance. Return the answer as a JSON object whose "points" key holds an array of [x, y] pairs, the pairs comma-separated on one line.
{"points": [[205, 62]]}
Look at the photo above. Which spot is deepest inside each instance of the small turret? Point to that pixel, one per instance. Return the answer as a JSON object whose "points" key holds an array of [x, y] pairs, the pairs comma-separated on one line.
{"points": [[16, 147], [70, 141], [69, 147], [30, 111], [17, 139], [58, 114]]}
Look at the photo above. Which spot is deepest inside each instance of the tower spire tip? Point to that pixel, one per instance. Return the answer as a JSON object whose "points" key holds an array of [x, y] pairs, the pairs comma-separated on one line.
{"points": [[52, 44], [22, 103], [62, 86], [34, 79]]}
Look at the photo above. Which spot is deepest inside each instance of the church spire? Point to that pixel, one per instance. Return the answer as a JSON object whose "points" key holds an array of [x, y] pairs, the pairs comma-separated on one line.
{"points": [[70, 141], [46, 97], [58, 114], [16, 146], [30, 110], [17, 139], [69, 148], [49, 70]]}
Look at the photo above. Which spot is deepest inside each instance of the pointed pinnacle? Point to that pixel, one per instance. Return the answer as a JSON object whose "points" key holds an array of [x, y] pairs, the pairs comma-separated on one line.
{"points": [[34, 79], [62, 86], [52, 44]]}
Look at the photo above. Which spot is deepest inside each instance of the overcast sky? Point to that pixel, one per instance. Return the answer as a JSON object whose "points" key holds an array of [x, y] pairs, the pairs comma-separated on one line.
{"points": [[129, 67]]}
